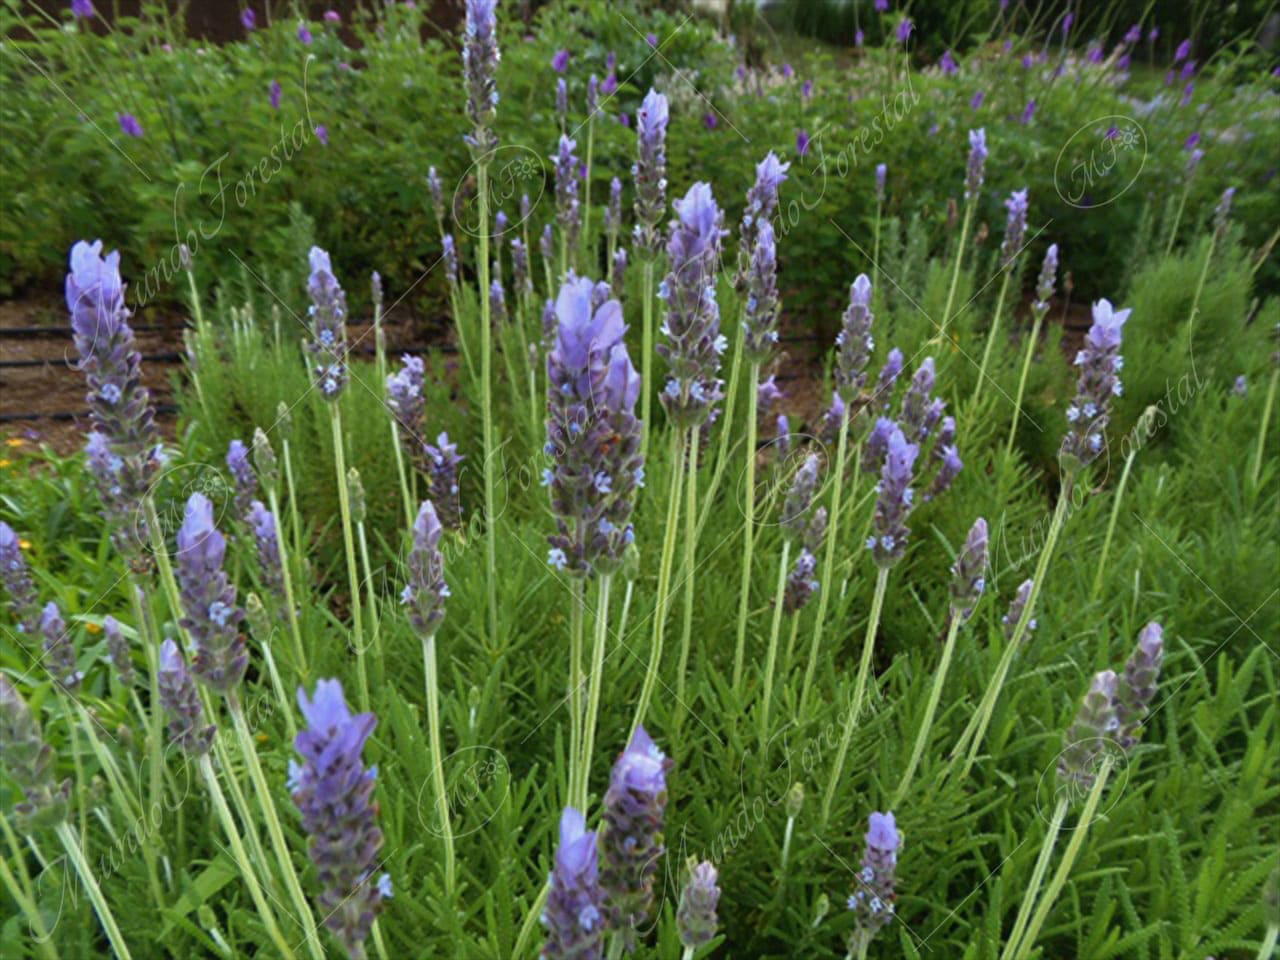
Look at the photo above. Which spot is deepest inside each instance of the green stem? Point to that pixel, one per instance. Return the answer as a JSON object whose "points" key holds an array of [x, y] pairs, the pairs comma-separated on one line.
{"points": [[274, 831], [576, 603], [749, 510], [875, 249], [100, 907], [530, 923], [1022, 379], [1037, 878], [293, 500], [155, 718], [791, 643], [955, 273], [646, 357], [593, 692], [828, 563], [241, 858], [1111, 524], [291, 607], [664, 577], [1262, 426], [1177, 218], [486, 404], [991, 337], [437, 759], [375, 628], [868, 644], [771, 659], [348, 543], [39, 932], [730, 402], [690, 556], [401, 474], [1064, 868], [586, 187], [977, 727], [278, 686], [935, 695], [1269, 943]]}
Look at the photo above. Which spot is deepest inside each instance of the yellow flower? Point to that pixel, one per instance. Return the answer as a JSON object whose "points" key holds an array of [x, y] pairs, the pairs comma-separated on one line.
{"points": [[5, 463], [261, 738], [14, 442], [24, 544], [93, 628]]}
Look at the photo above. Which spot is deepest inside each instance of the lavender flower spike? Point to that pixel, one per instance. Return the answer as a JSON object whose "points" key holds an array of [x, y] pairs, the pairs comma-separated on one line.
{"points": [[573, 915], [480, 58], [801, 583], [328, 313], [760, 321], [333, 791], [631, 841], [854, 343], [977, 160], [436, 189], [692, 327], [1100, 363], [882, 173], [450, 257], [29, 761], [182, 703], [407, 405], [118, 651], [613, 212], [16, 577], [523, 285], [566, 169], [650, 172], [894, 501], [426, 590], [124, 453], [618, 282], [795, 508], [762, 200], [1087, 737], [968, 573], [872, 901], [1137, 686], [209, 599], [1046, 282], [1015, 228], [246, 482], [593, 436], [263, 523], [1010, 619], [696, 915], [442, 480], [59, 652]]}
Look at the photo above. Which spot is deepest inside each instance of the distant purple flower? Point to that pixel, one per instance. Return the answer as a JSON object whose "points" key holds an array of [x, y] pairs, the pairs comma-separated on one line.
{"points": [[1067, 21], [332, 16], [1095, 53], [1192, 141], [304, 34], [480, 56], [854, 342], [888, 375], [562, 100], [1122, 64], [573, 915], [787, 71], [568, 211], [873, 899], [882, 173], [1137, 686], [1153, 34], [1028, 112], [181, 702], [1133, 34], [882, 6], [905, 26], [968, 573], [209, 599], [442, 461], [333, 791], [1027, 61], [1240, 386], [246, 481], [1183, 51], [894, 501], [767, 394], [801, 584], [322, 134], [859, 38], [426, 591], [1193, 161], [650, 172], [696, 914], [1016, 610], [1046, 281], [16, 577], [948, 64], [631, 839], [652, 39], [593, 95], [1095, 723], [129, 125], [609, 86], [618, 279], [710, 120], [759, 323], [613, 211], [762, 200], [976, 103], [806, 90], [782, 434], [328, 312], [406, 403], [802, 142], [58, 656], [449, 254], [118, 651], [263, 523], [248, 19], [274, 96], [1168, 78], [560, 62], [1188, 70], [977, 163], [1100, 364], [1015, 226], [1187, 93]]}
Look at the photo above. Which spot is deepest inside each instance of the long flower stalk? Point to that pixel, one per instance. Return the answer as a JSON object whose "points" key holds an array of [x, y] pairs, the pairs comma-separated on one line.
{"points": [[688, 570], [926, 724], [286, 578], [595, 683], [771, 658], [1037, 877], [855, 710], [348, 544], [100, 906], [437, 759], [955, 272], [486, 403], [991, 338], [647, 355], [25, 899], [1039, 309], [972, 191], [1262, 426], [748, 511]]}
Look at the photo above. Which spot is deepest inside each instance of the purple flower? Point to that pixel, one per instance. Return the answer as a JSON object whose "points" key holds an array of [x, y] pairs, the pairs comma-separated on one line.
{"points": [[246, 482], [920, 412], [783, 435], [1183, 51], [328, 313], [696, 915], [832, 418], [948, 64], [1095, 724], [787, 72], [806, 89], [762, 201], [593, 95], [263, 523], [894, 501], [274, 96], [1016, 608], [859, 38], [1222, 212], [1095, 53], [905, 27], [610, 84], [442, 461], [1133, 34], [1188, 70], [1100, 363], [618, 281], [568, 212], [83, 9], [124, 456], [562, 100], [650, 171], [692, 328], [795, 508], [1187, 93], [882, 174], [631, 839], [1015, 226], [872, 900], [1028, 112], [322, 134], [523, 285], [854, 342], [767, 394], [129, 125], [976, 103], [1067, 21], [652, 39], [59, 653], [304, 34], [573, 916], [181, 702], [968, 573], [436, 189], [406, 403], [426, 590], [710, 120], [1191, 141], [332, 16], [882, 6], [209, 599], [1137, 686], [560, 62], [248, 19], [759, 323], [593, 436], [479, 67], [1046, 281], [16, 577], [977, 161], [802, 142], [31, 763], [1027, 61], [333, 791], [1193, 161], [118, 651]]}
